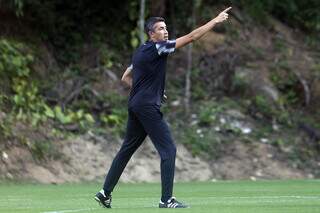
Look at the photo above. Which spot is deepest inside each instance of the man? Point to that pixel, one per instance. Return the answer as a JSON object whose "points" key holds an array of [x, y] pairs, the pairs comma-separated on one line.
{"points": [[146, 77]]}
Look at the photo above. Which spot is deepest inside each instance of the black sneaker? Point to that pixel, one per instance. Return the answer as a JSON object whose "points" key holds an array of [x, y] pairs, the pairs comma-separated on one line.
{"points": [[172, 203], [103, 200]]}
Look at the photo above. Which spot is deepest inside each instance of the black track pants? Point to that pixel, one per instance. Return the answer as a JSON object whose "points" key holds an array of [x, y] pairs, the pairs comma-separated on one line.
{"points": [[143, 121]]}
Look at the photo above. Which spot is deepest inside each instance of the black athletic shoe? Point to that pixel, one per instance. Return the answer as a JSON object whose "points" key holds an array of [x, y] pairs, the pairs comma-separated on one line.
{"points": [[172, 203], [103, 200]]}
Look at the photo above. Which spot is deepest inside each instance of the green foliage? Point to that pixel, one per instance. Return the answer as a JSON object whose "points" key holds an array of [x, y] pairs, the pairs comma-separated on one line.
{"points": [[279, 45], [5, 127], [43, 149], [279, 142], [263, 105], [205, 134], [134, 41], [286, 82], [79, 22], [257, 9], [202, 141], [315, 70], [199, 90], [14, 5], [264, 130], [16, 60], [106, 58], [85, 120], [233, 32], [239, 83], [67, 25], [208, 113], [116, 117], [3, 100], [297, 13], [270, 111]]}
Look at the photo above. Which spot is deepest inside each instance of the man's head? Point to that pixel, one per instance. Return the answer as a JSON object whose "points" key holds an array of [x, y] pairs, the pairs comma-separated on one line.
{"points": [[156, 29]]}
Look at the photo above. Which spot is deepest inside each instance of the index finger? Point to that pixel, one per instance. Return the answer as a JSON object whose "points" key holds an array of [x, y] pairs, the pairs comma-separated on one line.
{"points": [[226, 10]]}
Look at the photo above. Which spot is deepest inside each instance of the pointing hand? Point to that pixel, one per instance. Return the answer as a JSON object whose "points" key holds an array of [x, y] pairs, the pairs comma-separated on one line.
{"points": [[223, 15]]}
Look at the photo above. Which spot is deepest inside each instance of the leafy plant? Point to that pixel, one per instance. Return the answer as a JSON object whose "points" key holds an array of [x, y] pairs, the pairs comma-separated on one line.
{"points": [[43, 149], [84, 119], [116, 114], [208, 113], [5, 128], [15, 62], [106, 58], [303, 14], [202, 141], [286, 82], [263, 105]]}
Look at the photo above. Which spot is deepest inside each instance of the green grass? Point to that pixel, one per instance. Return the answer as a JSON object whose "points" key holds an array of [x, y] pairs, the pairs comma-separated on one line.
{"points": [[299, 196]]}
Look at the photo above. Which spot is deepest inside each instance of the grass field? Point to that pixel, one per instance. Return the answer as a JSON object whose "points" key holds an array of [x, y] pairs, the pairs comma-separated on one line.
{"points": [[299, 196]]}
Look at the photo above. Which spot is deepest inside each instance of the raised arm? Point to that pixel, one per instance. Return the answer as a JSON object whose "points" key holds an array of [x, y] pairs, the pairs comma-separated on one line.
{"points": [[199, 32], [127, 77]]}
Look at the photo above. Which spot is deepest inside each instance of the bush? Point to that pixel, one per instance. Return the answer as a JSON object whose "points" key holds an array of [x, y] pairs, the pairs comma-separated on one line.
{"points": [[297, 13], [287, 83], [15, 62], [27, 104], [208, 113], [201, 141], [116, 115]]}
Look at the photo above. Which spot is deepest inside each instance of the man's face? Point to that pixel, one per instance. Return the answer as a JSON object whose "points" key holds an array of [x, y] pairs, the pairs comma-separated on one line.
{"points": [[159, 32]]}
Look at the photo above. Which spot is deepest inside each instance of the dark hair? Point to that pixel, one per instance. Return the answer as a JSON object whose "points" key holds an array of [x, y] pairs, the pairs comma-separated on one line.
{"points": [[150, 22]]}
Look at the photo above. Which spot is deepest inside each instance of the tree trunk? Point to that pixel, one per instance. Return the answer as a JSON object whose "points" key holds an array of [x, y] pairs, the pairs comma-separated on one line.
{"points": [[187, 96], [141, 21], [173, 33]]}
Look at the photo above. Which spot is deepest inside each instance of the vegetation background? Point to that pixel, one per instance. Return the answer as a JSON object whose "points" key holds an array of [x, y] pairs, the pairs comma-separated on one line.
{"points": [[252, 80]]}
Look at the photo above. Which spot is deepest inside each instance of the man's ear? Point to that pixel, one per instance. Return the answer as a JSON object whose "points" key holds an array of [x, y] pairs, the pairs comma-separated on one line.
{"points": [[150, 33]]}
